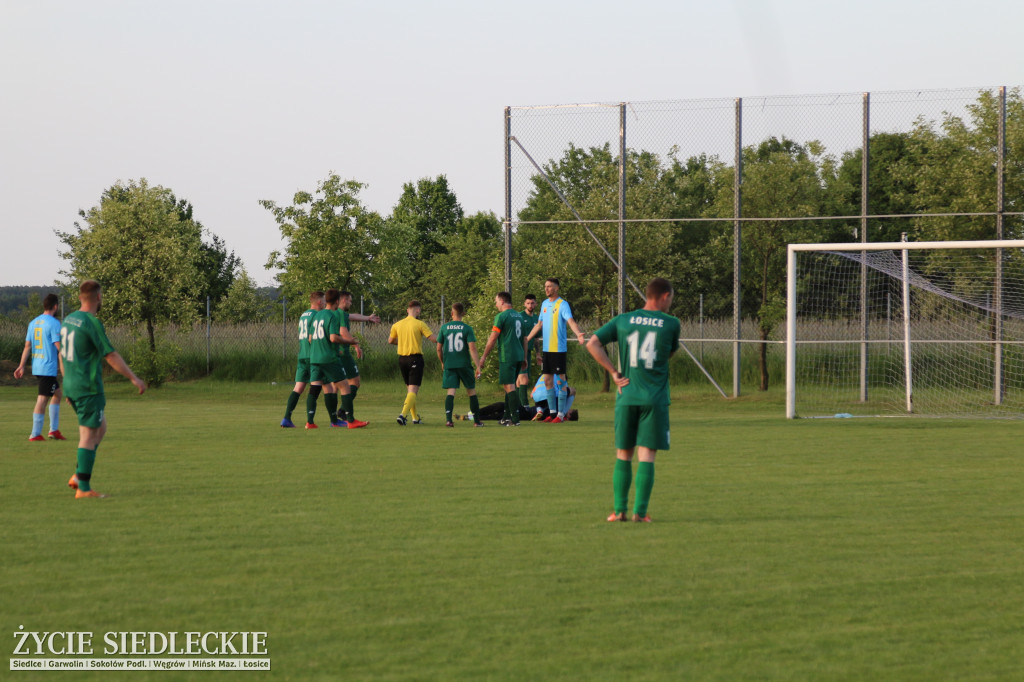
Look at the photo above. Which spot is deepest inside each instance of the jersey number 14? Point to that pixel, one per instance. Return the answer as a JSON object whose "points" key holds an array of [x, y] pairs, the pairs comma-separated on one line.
{"points": [[647, 351]]}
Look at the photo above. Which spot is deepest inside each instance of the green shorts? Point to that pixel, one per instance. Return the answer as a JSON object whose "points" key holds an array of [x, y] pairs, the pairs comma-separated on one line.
{"points": [[452, 377], [89, 409], [302, 371], [508, 371], [349, 363], [329, 372], [644, 425]]}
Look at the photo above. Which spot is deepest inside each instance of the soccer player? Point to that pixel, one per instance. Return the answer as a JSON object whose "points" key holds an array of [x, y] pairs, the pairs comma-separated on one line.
{"points": [[508, 328], [326, 336], [456, 349], [408, 335], [646, 338], [555, 314], [530, 318], [540, 398], [43, 343], [83, 347], [316, 304], [351, 369]]}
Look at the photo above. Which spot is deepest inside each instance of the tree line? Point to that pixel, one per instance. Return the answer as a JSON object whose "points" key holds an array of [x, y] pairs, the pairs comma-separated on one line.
{"points": [[158, 263]]}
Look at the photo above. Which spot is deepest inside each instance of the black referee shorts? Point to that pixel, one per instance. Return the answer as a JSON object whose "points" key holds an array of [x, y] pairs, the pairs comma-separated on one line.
{"points": [[412, 369]]}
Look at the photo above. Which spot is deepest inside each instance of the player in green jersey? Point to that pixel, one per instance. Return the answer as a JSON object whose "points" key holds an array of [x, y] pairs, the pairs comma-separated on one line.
{"points": [[646, 338], [326, 336], [351, 368], [510, 330], [83, 348], [316, 304], [530, 318], [456, 349]]}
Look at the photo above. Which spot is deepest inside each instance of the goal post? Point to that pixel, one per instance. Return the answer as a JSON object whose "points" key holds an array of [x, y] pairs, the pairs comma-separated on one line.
{"points": [[936, 330]]}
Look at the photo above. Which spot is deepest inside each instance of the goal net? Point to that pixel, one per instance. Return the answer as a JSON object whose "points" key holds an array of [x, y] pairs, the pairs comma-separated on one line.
{"points": [[908, 328]]}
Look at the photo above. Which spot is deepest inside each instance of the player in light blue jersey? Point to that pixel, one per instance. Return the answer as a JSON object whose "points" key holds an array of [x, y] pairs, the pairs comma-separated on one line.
{"points": [[555, 315], [43, 343], [540, 397]]}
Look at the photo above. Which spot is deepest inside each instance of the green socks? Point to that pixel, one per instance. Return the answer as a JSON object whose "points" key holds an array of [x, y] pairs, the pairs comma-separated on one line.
{"points": [[474, 407], [293, 400], [621, 481], [524, 396], [86, 458], [449, 407], [346, 406], [512, 406], [348, 410], [644, 484]]}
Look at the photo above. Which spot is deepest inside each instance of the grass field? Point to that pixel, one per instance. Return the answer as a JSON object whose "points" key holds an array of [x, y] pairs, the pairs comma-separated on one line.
{"points": [[808, 550]]}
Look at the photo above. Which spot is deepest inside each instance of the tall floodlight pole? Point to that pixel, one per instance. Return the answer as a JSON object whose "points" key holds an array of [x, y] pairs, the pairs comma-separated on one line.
{"points": [[736, 234], [1000, 207], [622, 208], [508, 199], [864, 161]]}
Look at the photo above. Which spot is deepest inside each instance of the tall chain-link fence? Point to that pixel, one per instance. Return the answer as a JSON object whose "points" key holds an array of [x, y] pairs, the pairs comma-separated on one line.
{"points": [[731, 181]]}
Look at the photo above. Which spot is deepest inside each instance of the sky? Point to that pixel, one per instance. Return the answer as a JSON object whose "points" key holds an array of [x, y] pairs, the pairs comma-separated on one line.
{"points": [[228, 102]]}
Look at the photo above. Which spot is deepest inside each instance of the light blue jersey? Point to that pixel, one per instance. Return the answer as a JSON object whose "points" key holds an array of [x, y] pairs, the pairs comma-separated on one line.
{"points": [[554, 315], [43, 333]]}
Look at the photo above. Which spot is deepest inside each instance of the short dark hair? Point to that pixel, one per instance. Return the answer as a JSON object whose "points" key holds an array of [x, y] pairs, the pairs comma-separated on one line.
{"points": [[554, 280], [345, 294], [458, 309], [50, 302], [658, 287], [413, 304], [529, 297], [332, 296], [505, 297], [89, 288], [316, 295]]}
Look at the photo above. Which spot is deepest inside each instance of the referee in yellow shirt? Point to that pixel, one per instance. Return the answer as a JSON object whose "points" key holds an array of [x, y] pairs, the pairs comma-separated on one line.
{"points": [[408, 335]]}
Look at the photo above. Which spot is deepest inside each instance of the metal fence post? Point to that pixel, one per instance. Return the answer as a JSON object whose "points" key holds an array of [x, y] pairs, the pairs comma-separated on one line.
{"points": [[1000, 208], [737, 206], [508, 199], [864, 166], [284, 328], [622, 208], [207, 336]]}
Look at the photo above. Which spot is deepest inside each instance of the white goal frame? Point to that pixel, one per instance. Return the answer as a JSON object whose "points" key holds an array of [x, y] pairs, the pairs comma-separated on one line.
{"points": [[905, 247]]}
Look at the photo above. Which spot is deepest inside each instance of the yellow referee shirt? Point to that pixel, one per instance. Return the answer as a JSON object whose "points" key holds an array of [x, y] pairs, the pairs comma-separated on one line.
{"points": [[410, 333]]}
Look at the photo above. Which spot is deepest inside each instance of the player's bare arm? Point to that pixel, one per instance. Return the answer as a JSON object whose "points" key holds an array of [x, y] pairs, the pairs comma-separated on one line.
{"points": [[118, 364], [357, 317], [597, 351], [579, 332], [472, 353], [533, 332], [491, 340], [20, 371]]}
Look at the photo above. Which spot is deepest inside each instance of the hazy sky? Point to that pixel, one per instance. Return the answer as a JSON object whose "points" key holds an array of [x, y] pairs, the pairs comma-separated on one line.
{"points": [[228, 102]]}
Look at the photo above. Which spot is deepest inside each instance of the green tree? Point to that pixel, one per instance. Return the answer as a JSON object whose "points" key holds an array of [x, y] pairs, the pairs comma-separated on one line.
{"points": [[329, 238], [243, 302], [142, 249], [458, 271], [780, 180], [430, 209]]}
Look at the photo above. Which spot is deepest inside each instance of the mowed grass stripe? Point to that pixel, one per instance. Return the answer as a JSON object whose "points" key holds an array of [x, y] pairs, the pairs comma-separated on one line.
{"points": [[848, 549]]}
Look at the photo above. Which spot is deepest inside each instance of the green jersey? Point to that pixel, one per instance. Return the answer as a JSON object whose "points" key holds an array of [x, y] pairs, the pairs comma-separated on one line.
{"points": [[529, 322], [646, 338], [511, 329], [321, 350], [455, 338], [83, 345], [343, 320], [304, 321]]}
